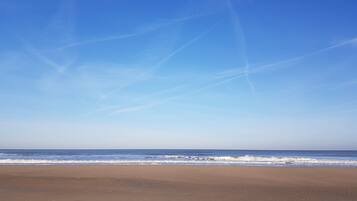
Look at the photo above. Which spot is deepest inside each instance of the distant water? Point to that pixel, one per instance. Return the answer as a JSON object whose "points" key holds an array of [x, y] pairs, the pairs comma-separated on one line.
{"points": [[180, 157]]}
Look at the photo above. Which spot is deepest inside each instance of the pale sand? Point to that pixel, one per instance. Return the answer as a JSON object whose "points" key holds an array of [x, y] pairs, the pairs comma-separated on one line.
{"points": [[171, 183]]}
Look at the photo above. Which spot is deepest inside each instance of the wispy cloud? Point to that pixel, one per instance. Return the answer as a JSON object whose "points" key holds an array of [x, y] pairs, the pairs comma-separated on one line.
{"points": [[182, 47], [273, 66], [136, 108], [228, 76], [114, 109], [144, 106], [151, 70], [87, 78], [163, 92], [103, 39], [46, 60], [59, 29], [139, 107], [239, 32], [140, 31], [81, 74], [349, 83]]}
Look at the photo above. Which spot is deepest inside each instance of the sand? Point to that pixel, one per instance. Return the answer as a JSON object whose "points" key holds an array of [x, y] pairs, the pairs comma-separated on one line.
{"points": [[173, 183]]}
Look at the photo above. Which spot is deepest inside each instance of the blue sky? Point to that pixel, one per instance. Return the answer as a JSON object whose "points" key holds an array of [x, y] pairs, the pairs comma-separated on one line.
{"points": [[248, 74]]}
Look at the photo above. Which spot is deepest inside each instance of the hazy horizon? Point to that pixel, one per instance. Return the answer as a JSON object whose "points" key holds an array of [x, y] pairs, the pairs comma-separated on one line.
{"points": [[205, 74]]}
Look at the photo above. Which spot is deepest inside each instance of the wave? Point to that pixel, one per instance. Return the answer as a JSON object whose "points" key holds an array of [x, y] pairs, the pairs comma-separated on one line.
{"points": [[198, 160], [247, 159], [7, 154]]}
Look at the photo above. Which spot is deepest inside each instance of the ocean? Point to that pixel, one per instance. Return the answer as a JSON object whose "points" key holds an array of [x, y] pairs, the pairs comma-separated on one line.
{"points": [[178, 157]]}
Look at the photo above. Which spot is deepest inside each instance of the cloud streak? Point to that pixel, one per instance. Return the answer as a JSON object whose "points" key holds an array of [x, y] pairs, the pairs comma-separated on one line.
{"points": [[238, 30], [349, 83], [168, 57], [59, 28], [240, 73], [182, 47], [266, 67], [44, 59], [142, 31]]}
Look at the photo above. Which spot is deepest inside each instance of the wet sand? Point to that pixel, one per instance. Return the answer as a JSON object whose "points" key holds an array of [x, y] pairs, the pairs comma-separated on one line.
{"points": [[173, 183]]}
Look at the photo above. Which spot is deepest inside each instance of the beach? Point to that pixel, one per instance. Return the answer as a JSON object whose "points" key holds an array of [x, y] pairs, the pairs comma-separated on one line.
{"points": [[176, 183]]}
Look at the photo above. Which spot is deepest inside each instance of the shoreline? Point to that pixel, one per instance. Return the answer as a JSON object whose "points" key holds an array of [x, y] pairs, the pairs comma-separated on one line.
{"points": [[183, 165], [251, 158], [162, 182]]}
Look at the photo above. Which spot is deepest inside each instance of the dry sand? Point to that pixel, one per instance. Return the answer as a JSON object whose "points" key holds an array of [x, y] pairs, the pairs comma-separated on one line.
{"points": [[172, 183]]}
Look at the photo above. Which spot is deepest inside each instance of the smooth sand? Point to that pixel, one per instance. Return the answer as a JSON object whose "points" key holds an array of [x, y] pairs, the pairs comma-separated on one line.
{"points": [[171, 183]]}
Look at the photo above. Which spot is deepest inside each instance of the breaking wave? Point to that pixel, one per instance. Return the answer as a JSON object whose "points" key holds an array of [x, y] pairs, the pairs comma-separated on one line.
{"points": [[197, 160]]}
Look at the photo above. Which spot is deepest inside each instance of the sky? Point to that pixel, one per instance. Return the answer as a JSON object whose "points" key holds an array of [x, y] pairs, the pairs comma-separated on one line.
{"points": [[203, 74]]}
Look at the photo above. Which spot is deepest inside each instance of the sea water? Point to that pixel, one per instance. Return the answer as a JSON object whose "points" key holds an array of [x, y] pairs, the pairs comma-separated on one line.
{"points": [[179, 157]]}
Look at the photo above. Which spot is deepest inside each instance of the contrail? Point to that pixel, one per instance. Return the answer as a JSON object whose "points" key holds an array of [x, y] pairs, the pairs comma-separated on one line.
{"points": [[75, 44], [134, 108], [61, 25], [223, 80], [263, 68], [165, 91], [59, 68], [182, 47], [159, 64], [349, 83], [238, 29], [266, 67], [151, 28], [162, 101]]}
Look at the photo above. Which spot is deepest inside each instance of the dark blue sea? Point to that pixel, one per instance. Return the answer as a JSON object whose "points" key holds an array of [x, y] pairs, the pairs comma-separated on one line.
{"points": [[179, 157]]}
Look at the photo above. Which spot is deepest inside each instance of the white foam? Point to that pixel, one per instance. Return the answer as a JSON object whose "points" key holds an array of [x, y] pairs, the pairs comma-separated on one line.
{"points": [[264, 160], [200, 160], [7, 154]]}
